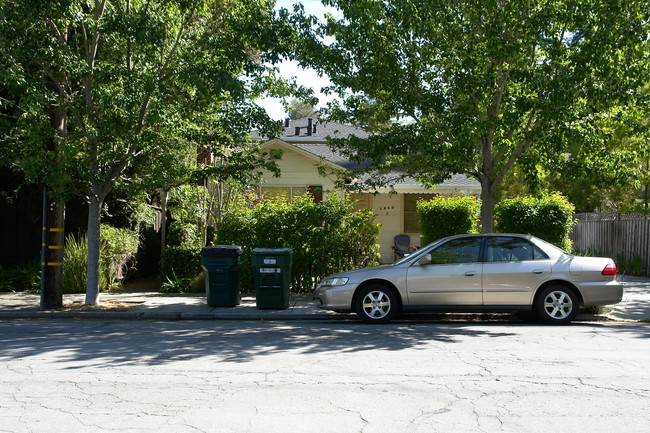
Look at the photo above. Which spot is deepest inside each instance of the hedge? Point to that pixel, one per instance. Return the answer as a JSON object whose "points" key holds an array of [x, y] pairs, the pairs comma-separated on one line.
{"points": [[325, 237], [549, 218], [447, 216]]}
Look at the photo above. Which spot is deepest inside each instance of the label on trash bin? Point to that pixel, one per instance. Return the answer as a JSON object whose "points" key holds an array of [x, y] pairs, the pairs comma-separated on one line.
{"points": [[270, 270], [270, 261]]}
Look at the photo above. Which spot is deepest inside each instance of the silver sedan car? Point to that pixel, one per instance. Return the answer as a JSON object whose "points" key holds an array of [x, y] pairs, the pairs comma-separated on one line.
{"points": [[476, 273]]}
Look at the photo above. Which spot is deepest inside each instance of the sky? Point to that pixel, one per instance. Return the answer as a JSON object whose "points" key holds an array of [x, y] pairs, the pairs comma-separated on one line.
{"points": [[288, 69]]}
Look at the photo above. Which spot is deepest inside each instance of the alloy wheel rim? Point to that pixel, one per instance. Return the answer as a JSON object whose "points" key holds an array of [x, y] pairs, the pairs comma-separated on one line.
{"points": [[558, 305], [376, 305]]}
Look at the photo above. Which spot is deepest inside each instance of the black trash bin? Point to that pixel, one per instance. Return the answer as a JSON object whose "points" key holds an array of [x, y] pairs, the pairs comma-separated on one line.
{"points": [[221, 264], [272, 274]]}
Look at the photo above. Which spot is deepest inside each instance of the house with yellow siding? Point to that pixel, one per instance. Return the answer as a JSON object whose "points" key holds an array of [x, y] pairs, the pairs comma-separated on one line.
{"points": [[307, 164]]}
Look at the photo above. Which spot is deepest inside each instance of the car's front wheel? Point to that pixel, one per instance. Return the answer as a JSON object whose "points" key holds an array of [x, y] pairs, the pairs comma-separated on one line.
{"points": [[376, 304], [556, 305]]}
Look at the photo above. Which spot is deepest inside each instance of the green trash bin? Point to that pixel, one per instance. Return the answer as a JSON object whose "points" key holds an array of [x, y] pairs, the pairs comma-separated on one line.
{"points": [[272, 275], [221, 264]]}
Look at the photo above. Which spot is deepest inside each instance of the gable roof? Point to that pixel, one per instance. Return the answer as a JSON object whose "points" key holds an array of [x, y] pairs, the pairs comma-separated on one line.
{"points": [[299, 131], [309, 136]]}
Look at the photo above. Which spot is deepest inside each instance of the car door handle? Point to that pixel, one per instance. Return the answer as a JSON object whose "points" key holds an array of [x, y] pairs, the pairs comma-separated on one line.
{"points": [[538, 271], [470, 273]]}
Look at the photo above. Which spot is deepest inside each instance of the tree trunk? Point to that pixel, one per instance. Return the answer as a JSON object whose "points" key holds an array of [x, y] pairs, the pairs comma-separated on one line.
{"points": [[94, 239], [163, 222], [52, 296], [488, 193], [54, 222]]}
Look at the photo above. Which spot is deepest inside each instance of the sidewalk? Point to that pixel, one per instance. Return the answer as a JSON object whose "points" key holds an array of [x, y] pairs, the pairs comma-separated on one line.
{"points": [[160, 306], [152, 305]]}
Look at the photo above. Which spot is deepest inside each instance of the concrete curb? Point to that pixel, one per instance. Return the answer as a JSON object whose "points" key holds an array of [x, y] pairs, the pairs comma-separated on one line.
{"points": [[264, 315], [221, 314]]}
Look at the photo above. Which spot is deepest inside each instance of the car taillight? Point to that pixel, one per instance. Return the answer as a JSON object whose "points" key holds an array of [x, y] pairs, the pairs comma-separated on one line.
{"points": [[610, 269]]}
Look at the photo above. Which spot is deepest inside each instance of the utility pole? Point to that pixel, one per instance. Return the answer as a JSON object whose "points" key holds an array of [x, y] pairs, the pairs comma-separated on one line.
{"points": [[53, 236], [52, 253]]}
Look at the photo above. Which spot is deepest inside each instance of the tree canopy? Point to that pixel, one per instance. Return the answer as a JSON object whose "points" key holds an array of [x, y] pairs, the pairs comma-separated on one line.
{"points": [[472, 87], [122, 84]]}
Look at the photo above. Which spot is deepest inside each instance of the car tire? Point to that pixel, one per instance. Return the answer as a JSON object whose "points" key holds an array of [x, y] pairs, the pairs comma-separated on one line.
{"points": [[376, 304], [556, 305]]}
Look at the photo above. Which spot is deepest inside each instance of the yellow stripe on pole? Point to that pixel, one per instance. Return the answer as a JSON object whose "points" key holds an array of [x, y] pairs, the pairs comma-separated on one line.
{"points": [[55, 263], [56, 229], [55, 247]]}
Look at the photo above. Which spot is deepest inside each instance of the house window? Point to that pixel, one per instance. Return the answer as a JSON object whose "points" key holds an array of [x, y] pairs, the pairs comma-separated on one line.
{"points": [[277, 192], [316, 192], [290, 192], [411, 220]]}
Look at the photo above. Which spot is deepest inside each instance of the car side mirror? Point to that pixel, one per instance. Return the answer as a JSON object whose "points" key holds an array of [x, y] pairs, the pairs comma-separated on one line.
{"points": [[424, 260]]}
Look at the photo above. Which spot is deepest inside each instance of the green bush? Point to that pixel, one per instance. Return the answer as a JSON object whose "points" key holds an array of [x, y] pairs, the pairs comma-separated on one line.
{"points": [[20, 278], [180, 263], [178, 285], [325, 237], [118, 247], [184, 285], [183, 234], [75, 265], [7, 280], [549, 218], [447, 216]]}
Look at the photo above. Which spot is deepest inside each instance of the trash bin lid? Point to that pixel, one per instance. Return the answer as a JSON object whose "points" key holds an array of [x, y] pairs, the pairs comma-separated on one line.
{"points": [[272, 251], [222, 251]]}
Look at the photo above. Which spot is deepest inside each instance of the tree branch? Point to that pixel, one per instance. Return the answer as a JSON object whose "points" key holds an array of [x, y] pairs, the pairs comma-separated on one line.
{"points": [[503, 149], [165, 72], [521, 148], [66, 97]]}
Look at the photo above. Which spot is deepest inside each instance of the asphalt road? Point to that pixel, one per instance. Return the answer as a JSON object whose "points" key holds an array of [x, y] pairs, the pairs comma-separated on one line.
{"points": [[139, 376]]}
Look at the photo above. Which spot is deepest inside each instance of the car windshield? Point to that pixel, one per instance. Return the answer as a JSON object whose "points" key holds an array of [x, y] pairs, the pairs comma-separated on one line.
{"points": [[415, 255]]}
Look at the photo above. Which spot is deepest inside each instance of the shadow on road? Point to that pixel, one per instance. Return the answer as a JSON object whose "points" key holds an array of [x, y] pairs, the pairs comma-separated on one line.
{"points": [[110, 343]]}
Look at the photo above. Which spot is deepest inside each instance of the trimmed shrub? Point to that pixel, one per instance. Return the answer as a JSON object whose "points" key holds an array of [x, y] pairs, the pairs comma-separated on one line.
{"points": [[447, 216], [549, 218], [325, 237]]}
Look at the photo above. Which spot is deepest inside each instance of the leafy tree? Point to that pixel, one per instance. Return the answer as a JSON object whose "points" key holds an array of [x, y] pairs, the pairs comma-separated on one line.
{"points": [[615, 178], [299, 109], [129, 85], [622, 186], [472, 87]]}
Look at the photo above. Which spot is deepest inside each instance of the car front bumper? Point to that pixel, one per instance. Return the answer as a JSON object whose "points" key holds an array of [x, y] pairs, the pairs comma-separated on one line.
{"points": [[336, 298]]}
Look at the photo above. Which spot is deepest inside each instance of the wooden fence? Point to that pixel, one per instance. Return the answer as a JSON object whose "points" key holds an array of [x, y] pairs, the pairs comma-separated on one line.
{"points": [[623, 237]]}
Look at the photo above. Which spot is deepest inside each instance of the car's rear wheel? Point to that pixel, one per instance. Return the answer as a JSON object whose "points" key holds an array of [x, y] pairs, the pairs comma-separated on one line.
{"points": [[376, 304], [556, 305]]}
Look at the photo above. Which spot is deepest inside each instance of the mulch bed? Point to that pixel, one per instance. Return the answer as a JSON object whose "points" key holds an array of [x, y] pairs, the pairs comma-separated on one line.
{"points": [[103, 306]]}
